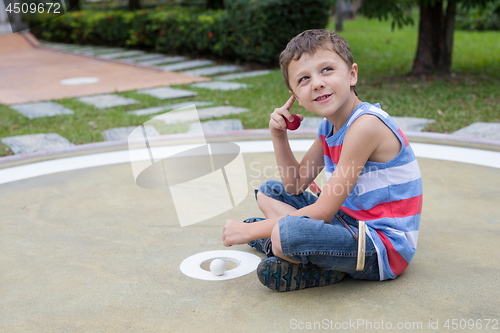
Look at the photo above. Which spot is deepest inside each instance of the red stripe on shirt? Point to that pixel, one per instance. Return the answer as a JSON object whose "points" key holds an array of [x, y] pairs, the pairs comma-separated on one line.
{"points": [[404, 137], [400, 208], [397, 263], [332, 152]]}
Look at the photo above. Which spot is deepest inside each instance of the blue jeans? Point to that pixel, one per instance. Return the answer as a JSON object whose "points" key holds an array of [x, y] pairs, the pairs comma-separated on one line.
{"points": [[331, 245]]}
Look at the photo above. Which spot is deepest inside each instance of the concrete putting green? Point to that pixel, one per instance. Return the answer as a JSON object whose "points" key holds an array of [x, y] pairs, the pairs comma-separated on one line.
{"points": [[84, 249]]}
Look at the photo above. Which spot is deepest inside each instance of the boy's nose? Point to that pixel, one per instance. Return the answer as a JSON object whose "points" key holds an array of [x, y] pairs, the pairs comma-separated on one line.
{"points": [[318, 83]]}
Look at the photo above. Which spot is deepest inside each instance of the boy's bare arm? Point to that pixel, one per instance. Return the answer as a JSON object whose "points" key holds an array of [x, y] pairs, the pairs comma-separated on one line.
{"points": [[236, 232], [294, 175], [362, 140]]}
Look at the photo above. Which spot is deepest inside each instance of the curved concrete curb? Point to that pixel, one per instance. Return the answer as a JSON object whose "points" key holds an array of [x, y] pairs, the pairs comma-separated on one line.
{"points": [[250, 134]]}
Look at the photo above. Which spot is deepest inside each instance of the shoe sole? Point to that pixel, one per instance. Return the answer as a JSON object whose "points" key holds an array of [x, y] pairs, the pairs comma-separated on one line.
{"points": [[281, 275]]}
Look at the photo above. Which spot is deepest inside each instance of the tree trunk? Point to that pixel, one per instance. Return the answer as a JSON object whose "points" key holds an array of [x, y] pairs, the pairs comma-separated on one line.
{"points": [[435, 38], [74, 5], [338, 16], [451, 11], [134, 4], [215, 4]]}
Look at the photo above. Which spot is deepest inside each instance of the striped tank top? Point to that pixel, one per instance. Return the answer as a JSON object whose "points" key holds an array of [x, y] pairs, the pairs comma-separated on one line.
{"points": [[387, 196]]}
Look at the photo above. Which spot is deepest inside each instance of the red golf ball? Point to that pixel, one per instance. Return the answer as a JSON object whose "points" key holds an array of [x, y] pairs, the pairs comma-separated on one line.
{"points": [[292, 126]]}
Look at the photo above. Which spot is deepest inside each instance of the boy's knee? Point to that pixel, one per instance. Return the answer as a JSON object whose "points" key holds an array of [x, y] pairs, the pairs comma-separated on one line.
{"points": [[261, 198], [276, 245], [271, 186], [275, 239]]}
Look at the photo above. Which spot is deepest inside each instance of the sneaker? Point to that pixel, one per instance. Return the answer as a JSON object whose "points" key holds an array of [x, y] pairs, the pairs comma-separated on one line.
{"points": [[263, 244], [281, 275]]}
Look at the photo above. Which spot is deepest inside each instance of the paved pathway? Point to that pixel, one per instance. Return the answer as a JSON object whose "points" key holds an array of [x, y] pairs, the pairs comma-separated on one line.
{"points": [[31, 74]]}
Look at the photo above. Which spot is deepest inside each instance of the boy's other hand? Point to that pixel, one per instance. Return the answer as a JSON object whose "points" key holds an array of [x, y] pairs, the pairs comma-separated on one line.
{"points": [[277, 123], [235, 233]]}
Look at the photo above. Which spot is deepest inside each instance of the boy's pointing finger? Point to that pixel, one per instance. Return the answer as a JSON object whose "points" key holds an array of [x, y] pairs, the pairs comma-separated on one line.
{"points": [[289, 103]]}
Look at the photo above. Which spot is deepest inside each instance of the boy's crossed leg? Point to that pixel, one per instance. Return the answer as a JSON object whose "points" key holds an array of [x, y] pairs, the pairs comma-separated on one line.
{"points": [[283, 273], [273, 208]]}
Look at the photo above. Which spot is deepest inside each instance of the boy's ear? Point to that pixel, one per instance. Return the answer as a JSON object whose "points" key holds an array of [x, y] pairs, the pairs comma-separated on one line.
{"points": [[354, 74]]}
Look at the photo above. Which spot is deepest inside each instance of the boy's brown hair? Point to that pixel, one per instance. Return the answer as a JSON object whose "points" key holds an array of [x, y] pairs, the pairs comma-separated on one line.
{"points": [[309, 42]]}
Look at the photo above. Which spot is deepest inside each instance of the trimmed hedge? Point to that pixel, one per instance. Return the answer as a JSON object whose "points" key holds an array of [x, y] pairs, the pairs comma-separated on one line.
{"points": [[193, 33], [261, 29], [250, 30]]}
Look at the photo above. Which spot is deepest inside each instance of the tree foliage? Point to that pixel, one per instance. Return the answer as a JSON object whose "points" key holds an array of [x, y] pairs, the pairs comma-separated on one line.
{"points": [[436, 26], [400, 11]]}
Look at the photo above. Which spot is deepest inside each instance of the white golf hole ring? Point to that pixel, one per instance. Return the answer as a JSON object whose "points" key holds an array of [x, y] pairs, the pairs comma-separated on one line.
{"points": [[79, 80], [238, 264]]}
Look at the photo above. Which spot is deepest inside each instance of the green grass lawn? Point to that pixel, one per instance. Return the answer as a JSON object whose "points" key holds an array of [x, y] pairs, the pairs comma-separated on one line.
{"points": [[383, 56]]}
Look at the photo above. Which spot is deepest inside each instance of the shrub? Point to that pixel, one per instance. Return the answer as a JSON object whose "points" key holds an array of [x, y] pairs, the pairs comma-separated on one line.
{"points": [[262, 28], [191, 32], [251, 30]]}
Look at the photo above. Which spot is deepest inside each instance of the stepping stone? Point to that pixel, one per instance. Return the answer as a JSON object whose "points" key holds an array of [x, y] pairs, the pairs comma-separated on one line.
{"points": [[481, 130], [311, 123], [88, 49], [108, 50], [73, 48], [412, 124], [94, 52], [215, 85], [146, 57], [213, 70], [120, 54], [107, 101], [159, 109], [24, 144], [167, 93], [220, 111], [163, 60], [213, 126], [187, 65], [122, 133], [41, 109], [80, 48], [66, 47], [205, 113], [241, 75]]}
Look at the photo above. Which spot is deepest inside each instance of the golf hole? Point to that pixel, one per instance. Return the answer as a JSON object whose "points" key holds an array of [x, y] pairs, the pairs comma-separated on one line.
{"points": [[79, 80], [238, 263], [230, 263]]}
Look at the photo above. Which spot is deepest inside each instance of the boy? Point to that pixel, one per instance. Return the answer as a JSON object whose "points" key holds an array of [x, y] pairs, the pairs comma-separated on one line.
{"points": [[372, 176]]}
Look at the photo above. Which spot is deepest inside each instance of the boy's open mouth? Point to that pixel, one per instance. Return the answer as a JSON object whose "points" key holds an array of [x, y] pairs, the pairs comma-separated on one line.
{"points": [[322, 97]]}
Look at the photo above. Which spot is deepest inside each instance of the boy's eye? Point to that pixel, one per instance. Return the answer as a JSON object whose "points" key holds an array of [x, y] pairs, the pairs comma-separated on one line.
{"points": [[327, 69], [302, 79]]}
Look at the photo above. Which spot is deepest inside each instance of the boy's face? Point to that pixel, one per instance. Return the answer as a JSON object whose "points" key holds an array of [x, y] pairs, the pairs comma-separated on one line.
{"points": [[322, 81]]}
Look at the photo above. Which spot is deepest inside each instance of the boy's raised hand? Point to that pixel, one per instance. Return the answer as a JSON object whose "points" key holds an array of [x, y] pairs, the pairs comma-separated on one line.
{"points": [[277, 123]]}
